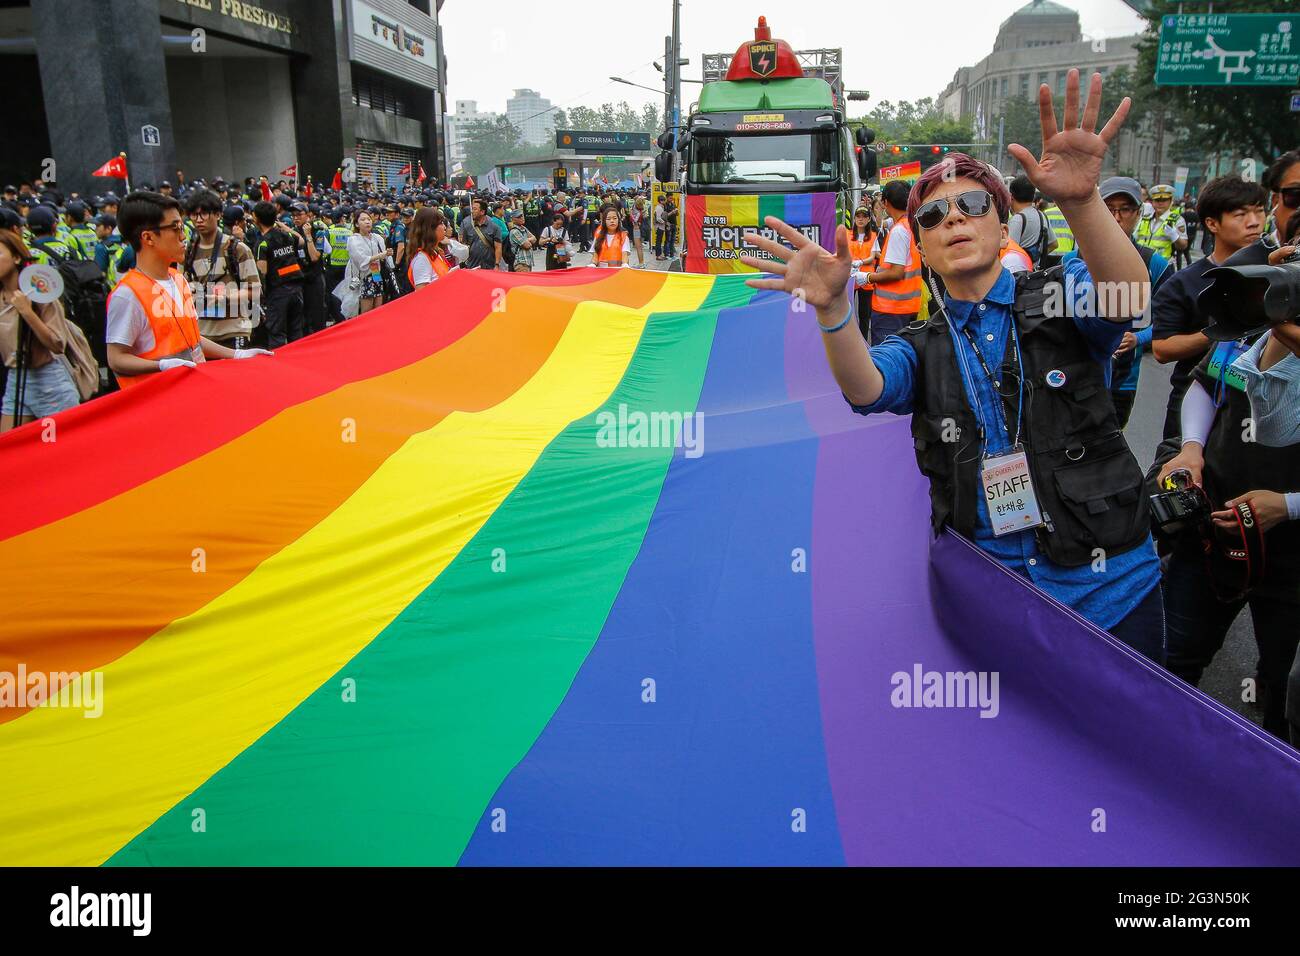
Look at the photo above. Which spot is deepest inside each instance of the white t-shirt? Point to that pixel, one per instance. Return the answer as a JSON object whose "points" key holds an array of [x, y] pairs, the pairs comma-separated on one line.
{"points": [[1014, 262], [898, 248], [422, 271], [127, 323]]}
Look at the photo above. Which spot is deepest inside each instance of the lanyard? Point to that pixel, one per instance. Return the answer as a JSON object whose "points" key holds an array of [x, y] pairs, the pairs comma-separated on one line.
{"points": [[997, 383]]}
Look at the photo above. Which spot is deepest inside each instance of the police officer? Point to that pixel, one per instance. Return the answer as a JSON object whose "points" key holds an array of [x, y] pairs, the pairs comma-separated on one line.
{"points": [[1064, 237], [312, 254], [1163, 231], [81, 236], [42, 223], [110, 250], [337, 263]]}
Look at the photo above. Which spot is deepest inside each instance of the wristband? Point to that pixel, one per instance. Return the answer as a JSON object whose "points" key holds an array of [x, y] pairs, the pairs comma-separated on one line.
{"points": [[836, 328], [1293, 504]]}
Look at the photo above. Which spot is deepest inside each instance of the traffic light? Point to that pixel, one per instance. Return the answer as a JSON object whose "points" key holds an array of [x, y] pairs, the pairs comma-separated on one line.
{"points": [[935, 150]]}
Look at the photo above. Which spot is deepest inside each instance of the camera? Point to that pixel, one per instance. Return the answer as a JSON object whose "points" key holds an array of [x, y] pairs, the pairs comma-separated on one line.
{"points": [[1182, 504], [1244, 300]]}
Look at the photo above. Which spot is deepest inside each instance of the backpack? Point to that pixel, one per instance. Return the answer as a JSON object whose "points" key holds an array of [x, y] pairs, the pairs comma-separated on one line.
{"points": [[1040, 248], [85, 298], [80, 361]]}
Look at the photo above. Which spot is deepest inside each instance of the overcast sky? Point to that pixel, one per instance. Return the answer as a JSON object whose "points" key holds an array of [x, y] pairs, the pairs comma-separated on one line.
{"points": [[492, 48]]}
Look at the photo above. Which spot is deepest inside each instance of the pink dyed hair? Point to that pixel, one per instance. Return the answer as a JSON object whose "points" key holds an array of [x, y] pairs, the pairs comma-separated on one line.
{"points": [[963, 167]]}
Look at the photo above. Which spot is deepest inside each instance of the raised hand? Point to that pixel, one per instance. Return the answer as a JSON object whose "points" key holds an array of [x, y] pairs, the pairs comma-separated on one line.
{"points": [[1070, 165], [807, 270]]}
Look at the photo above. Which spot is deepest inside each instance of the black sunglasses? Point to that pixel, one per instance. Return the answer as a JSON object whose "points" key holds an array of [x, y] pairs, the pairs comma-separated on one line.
{"points": [[1291, 197], [974, 202]]}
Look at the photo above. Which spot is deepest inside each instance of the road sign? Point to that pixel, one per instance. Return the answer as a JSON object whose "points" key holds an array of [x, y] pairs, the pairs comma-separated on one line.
{"points": [[1220, 49], [150, 136], [606, 142], [1295, 101]]}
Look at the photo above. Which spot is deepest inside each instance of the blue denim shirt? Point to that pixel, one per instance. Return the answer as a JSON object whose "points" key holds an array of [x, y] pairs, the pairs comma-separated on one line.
{"points": [[1104, 596]]}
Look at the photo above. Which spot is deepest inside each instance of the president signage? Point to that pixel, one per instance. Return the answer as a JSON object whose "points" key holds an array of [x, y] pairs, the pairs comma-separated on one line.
{"points": [[247, 12], [601, 142]]}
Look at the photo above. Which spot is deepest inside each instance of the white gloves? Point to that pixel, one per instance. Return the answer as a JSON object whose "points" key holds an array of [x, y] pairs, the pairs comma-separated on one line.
{"points": [[250, 353], [170, 363]]}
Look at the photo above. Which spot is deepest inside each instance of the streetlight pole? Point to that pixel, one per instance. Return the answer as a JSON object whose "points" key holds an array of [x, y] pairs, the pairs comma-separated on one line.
{"points": [[675, 60]]}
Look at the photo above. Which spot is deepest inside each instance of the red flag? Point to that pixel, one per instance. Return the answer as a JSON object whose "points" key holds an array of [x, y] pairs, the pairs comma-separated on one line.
{"points": [[423, 175], [405, 170], [337, 184], [115, 167], [290, 171], [266, 190], [469, 182], [307, 190]]}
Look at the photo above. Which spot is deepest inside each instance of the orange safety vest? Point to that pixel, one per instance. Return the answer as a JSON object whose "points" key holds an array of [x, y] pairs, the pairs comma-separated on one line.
{"points": [[861, 251], [608, 251], [174, 335], [904, 296], [1013, 246], [440, 267]]}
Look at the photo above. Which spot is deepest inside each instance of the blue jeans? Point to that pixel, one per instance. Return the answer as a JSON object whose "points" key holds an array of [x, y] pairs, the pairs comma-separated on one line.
{"points": [[1143, 629], [47, 390]]}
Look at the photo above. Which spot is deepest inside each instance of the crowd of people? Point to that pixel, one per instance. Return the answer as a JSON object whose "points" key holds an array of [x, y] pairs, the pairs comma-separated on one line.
{"points": [[981, 308], [991, 314], [260, 265]]}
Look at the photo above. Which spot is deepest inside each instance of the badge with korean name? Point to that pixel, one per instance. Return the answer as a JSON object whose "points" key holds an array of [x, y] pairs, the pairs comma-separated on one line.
{"points": [[1009, 492]]}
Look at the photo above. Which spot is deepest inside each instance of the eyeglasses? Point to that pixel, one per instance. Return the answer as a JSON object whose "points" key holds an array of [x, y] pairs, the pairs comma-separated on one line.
{"points": [[974, 202], [177, 227], [1125, 210], [1291, 197]]}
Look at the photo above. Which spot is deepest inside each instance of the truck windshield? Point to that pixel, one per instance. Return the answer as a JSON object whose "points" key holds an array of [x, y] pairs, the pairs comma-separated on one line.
{"points": [[721, 159]]}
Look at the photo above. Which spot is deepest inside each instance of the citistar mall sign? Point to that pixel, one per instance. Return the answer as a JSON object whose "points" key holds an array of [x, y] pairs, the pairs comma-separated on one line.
{"points": [[247, 12]]}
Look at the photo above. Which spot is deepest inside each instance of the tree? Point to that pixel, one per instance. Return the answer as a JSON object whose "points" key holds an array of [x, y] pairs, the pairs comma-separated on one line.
{"points": [[490, 142], [1247, 119], [921, 122]]}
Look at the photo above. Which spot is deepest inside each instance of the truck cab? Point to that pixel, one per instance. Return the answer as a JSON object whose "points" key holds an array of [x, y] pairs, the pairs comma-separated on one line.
{"points": [[765, 141]]}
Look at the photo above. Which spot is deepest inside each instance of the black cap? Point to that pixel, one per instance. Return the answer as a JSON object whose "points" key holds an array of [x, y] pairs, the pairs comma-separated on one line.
{"points": [[41, 217], [10, 189], [297, 207], [106, 219], [9, 218], [232, 214], [76, 207]]}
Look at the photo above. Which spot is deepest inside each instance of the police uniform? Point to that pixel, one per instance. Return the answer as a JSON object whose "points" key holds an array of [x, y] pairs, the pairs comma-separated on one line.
{"points": [[1159, 233], [1064, 234]]}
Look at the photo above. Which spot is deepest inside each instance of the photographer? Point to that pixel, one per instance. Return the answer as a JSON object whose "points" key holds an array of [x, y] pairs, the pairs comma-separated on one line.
{"points": [[1272, 365], [1204, 595], [1007, 380], [1232, 210]]}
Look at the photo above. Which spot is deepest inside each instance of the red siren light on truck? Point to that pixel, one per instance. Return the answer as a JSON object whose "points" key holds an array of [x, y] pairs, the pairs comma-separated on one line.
{"points": [[763, 58]]}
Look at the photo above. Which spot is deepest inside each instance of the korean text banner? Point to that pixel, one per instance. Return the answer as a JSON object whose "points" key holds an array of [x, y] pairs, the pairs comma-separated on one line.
{"points": [[714, 225]]}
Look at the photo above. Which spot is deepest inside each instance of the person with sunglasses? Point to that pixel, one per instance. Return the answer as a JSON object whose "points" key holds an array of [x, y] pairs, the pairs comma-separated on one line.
{"points": [[1006, 382], [153, 325]]}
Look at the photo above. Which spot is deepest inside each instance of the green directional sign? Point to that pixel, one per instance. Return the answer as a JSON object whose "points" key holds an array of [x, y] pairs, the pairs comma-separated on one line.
{"points": [[1229, 49]]}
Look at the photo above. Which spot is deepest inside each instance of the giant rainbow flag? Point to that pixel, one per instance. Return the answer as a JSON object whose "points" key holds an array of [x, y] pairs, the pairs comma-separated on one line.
{"points": [[425, 589]]}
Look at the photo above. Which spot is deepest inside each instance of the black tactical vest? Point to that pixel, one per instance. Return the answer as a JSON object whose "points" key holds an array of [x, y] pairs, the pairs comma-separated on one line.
{"points": [[1089, 485]]}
